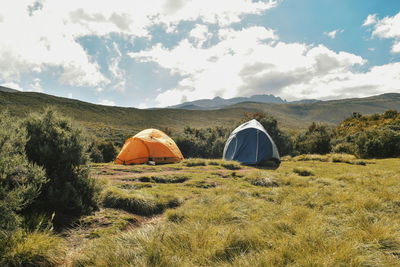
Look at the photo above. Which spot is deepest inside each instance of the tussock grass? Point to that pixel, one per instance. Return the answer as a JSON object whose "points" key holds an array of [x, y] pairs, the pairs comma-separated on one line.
{"points": [[164, 179], [303, 171], [232, 165], [33, 249], [335, 158], [138, 203], [194, 162], [343, 215], [264, 181]]}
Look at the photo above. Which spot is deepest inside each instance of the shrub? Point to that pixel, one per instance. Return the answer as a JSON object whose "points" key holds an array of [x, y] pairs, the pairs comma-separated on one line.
{"points": [[108, 151], [315, 140], [95, 153], [102, 151], [20, 181], [60, 148], [379, 143], [373, 136], [203, 143]]}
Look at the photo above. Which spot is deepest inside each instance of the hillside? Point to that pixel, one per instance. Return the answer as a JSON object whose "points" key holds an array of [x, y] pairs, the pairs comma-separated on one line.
{"points": [[117, 122], [329, 111]]}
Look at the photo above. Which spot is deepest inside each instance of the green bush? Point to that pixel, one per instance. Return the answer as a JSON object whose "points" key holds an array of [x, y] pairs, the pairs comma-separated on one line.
{"points": [[379, 143], [102, 151], [373, 136], [315, 140], [202, 143], [60, 148], [108, 151], [20, 181]]}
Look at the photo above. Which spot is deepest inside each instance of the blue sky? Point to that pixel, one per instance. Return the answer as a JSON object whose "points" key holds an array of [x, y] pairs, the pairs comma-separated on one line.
{"points": [[164, 52]]}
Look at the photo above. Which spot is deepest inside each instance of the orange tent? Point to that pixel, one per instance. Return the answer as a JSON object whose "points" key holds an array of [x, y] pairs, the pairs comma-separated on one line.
{"points": [[149, 145]]}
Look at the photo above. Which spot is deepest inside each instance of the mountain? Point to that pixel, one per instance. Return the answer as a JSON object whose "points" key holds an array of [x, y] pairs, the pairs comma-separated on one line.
{"points": [[219, 102], [117, 123]]}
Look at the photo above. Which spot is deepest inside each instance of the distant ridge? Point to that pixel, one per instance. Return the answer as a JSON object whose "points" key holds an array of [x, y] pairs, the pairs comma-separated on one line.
{"points": [[219, 102], [8, 90]]}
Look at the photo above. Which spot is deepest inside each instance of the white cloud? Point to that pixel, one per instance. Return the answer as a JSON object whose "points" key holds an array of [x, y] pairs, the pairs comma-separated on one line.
{"points": [[12, 85], [38, 41], [387, 28], [106, 102], [370, 20], [333, 34], [250, 61], [200, 34], [36, 86], [396, 47], [42, 36]]}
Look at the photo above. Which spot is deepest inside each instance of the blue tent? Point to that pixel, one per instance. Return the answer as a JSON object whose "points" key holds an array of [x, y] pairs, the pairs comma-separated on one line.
{"points": [[250, 144]]}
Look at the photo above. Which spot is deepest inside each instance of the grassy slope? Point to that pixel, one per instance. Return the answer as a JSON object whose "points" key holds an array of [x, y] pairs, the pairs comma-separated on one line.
{"points": [[343, 214], [330, 111], [118, 123]]}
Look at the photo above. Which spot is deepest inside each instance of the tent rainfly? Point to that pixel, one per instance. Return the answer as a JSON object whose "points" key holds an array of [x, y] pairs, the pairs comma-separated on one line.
{"points": [[251, 144], [149, 145]]}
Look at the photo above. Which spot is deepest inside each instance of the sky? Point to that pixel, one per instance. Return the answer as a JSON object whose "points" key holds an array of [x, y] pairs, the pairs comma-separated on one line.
{"points": [[157, 53]]}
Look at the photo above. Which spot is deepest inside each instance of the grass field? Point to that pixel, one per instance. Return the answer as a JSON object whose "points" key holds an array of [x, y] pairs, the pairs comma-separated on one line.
{"points": [[330, 210]]}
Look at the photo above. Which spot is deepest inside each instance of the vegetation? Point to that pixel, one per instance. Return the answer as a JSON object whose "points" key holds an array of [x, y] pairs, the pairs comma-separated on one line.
{"points": [[315, 140], [260, 217], [20, 181], [314, 210], [374, 136], [102, 151], [60, 148], [115, 124], [204, 143]]}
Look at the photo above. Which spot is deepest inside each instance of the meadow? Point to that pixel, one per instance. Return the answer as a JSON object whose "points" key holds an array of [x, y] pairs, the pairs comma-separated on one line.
{"points": [[332, 210]]}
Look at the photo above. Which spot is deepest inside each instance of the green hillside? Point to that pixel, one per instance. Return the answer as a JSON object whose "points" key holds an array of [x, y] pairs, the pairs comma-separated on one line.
{"points": [[118, 122], [328, 111]]}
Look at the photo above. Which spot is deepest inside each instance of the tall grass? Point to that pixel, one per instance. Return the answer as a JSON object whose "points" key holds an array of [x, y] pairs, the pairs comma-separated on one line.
{"points": [[137, 203], [33, 249], [343, 215]]}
